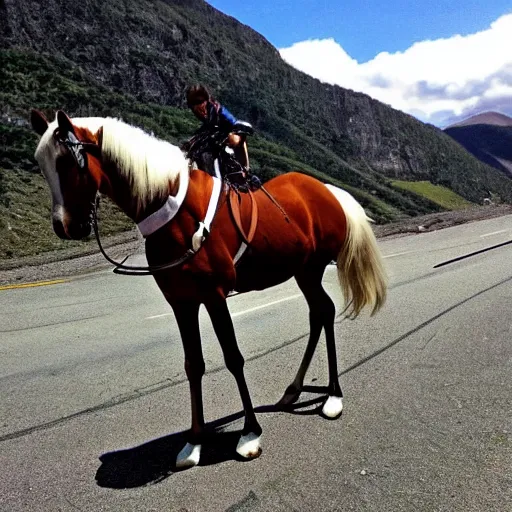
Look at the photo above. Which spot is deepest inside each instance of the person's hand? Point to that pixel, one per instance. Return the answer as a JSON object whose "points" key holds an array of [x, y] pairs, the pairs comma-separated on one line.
{"points": [[234, 140]]}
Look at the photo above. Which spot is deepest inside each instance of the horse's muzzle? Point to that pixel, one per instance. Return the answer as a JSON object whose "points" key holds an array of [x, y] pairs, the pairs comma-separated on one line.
{"points": [[58, 227], [70, 225], [72, 230], [77, 231]]}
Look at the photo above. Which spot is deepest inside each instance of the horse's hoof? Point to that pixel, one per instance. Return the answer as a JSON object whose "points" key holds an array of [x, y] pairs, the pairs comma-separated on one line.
{"points": [[249, 446], [189, 456], [291, 395], [333, 407]]}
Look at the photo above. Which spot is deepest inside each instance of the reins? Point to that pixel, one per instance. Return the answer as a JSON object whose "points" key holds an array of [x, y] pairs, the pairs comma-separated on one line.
{"points": [[134, 270], [280, 208]]}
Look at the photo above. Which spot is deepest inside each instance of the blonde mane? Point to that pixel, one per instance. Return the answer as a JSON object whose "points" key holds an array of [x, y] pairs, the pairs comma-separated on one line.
{"points": [[152, 166]]}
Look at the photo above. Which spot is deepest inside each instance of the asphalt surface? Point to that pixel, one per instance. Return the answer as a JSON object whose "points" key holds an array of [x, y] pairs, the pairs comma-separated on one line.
{"points": [[94, 399]]}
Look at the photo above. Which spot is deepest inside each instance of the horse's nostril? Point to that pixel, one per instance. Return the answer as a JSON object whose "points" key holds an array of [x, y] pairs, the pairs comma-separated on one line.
{"points": [[79, 230], [86, 229]]}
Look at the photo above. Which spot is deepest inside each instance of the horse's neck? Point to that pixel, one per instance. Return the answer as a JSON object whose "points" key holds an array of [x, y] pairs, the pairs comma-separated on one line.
{"points": [[119, 190]]}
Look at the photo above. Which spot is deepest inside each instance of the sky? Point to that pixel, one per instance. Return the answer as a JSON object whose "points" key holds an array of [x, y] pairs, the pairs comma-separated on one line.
{"points": [[441, 61]]}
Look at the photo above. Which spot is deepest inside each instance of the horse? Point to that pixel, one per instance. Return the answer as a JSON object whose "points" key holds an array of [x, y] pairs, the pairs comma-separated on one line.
{"points": [[198, 254]]}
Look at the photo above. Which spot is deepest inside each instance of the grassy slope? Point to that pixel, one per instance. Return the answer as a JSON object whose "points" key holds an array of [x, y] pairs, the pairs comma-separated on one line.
{"points": [[438, 194]]}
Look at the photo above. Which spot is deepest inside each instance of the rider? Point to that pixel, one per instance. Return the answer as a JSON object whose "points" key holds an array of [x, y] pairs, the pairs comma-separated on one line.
{"points": [[215, 116]]}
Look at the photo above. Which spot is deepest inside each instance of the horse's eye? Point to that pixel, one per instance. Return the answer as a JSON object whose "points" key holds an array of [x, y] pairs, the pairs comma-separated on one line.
{"points": [[64, 163]]}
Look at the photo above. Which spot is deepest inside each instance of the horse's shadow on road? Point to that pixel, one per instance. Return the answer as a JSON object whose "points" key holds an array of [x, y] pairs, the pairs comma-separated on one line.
{"points": [[154, 461]]}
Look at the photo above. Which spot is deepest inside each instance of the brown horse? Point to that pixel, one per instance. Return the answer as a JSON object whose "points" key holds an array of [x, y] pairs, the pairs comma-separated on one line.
{"points": [[309, 225]]}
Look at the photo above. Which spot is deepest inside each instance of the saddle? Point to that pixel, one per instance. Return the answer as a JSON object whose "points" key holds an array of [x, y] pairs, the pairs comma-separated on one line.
{"points": [[208, 148]]}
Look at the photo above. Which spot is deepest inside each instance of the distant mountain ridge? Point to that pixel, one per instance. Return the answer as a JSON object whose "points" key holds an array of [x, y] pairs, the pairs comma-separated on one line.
{"points": [[487, 136], [491, 118]]}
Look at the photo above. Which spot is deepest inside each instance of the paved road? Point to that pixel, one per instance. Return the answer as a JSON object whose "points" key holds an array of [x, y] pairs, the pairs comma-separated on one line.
{"points": [[94, 399]]}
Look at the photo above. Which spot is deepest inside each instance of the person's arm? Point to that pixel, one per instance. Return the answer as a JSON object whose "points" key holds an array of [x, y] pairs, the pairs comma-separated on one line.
{"points": [[227, 117]]}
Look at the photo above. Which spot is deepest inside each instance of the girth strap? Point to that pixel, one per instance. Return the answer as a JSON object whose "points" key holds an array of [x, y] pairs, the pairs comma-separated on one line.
{"points": [[234, 204]]}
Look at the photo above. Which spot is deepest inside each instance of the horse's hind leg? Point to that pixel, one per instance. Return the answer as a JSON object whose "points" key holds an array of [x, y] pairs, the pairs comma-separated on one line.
{"points": [[321, 314], [308, 285], [249, 444], [333, 406]]}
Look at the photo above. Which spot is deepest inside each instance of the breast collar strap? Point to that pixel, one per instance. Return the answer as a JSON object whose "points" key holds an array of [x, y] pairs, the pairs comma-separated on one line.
{"points": [[159, 219], [168, 211], [171, 207]]}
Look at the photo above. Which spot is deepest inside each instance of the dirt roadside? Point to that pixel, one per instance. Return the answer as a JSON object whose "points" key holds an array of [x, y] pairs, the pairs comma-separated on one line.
{"points": [[87, 259]]}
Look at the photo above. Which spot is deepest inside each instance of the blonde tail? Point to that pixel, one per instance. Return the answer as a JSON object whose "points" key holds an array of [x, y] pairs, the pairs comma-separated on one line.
{"points": [[360, 266]]}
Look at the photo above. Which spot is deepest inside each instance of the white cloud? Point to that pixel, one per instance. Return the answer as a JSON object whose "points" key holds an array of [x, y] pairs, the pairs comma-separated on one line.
{"points": [[437, 81]]}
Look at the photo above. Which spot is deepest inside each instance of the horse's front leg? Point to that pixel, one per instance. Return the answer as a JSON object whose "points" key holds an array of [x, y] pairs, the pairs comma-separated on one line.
{"points": [[249, 444], [187, 317]]}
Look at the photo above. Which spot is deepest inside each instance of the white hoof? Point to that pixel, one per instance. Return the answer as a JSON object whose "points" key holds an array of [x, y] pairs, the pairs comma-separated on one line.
{"points": [[249, 446], [189, 456], [333, 407]]}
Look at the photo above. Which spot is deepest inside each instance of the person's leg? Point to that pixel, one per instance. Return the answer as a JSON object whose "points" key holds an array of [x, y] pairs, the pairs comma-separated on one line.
{"points": [[241, 154], [239, 146]]}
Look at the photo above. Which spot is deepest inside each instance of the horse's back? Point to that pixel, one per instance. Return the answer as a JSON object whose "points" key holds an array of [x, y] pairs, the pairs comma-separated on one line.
{"points": [[308, 203]]}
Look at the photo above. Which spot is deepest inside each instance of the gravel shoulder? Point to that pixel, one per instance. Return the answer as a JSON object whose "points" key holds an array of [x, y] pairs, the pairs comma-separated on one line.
{"points": [[80, 261], [441, 220]]}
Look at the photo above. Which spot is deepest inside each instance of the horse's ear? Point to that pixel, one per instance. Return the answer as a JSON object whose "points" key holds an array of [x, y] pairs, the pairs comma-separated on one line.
{"points": [[65, 124], [99, 136], [38, 121]]}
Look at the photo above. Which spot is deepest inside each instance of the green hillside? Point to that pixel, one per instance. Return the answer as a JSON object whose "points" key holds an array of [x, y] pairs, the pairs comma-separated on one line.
{"points": [[438, 194]]}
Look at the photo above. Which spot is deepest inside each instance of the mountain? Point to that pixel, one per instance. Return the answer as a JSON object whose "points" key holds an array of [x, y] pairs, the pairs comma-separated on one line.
{"points": [[134, 58], [487, 136], [492, 118]]}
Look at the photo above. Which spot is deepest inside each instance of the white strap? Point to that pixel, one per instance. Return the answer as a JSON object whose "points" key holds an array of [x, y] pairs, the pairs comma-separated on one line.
{"points": [[217, 168], [199, 235], [168, 211], [240, 252], [214, 201]]}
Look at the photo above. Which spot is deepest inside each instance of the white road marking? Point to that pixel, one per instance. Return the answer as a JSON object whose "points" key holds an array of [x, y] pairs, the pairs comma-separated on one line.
{"points": [[159, 316], [494, 233], [245, 311], [397, 254], [285, 299]]}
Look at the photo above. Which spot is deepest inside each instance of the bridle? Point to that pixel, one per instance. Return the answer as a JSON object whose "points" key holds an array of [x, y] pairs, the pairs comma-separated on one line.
{"points": [[77, 149], [78, 152]]}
